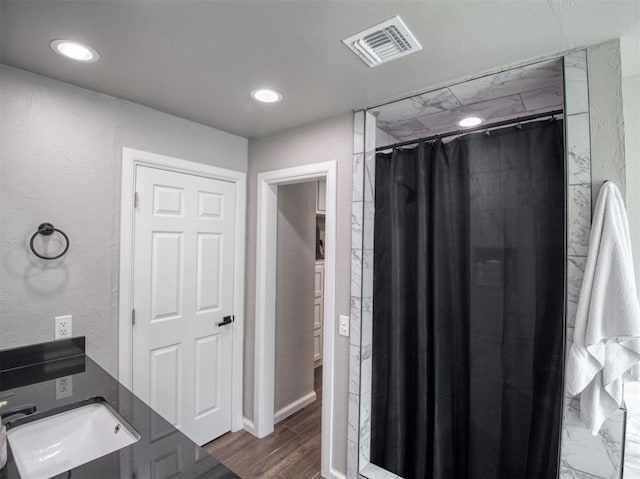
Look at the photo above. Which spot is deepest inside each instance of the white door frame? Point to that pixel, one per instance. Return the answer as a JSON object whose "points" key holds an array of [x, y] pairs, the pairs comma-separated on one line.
{"points": [[131, 159], [265, 316]]}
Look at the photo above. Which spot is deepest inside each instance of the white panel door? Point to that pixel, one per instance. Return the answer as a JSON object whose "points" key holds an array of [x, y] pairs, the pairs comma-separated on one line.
{"points": [[183, 289]]}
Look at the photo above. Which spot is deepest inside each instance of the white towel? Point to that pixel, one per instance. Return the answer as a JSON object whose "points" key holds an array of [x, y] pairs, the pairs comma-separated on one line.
{"points": [[606, 344]]}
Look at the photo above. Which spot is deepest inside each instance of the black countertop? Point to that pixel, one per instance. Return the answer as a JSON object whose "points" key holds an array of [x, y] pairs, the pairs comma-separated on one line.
{"points": [[162, 451]]}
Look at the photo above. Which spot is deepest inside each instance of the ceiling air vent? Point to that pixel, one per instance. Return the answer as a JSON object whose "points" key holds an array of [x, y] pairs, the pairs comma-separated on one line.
{"points": [[383, 42]]}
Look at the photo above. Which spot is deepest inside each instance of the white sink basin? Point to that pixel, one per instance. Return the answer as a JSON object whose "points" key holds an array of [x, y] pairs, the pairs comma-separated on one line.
{"points": [[55, 444]]}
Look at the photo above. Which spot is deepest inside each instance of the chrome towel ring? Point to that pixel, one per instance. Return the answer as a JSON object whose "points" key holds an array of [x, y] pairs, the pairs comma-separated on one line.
{"points": [[47, 229]]}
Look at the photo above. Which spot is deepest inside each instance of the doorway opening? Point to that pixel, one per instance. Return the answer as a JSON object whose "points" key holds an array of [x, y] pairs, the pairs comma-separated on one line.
{"points": [[264, 414]]}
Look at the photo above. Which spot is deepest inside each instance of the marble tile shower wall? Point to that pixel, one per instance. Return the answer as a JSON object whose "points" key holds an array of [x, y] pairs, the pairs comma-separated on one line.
{"points": [[583, 456], [357, 205], [359, 430]]}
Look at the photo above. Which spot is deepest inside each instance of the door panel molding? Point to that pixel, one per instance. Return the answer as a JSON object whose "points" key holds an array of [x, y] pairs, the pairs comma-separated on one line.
{"points": [[131, 159]]}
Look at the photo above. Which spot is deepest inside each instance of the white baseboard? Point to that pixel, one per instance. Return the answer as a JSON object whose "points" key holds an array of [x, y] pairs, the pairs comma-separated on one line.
{"points": [[294, 406], [337, 475], [248, 425]]}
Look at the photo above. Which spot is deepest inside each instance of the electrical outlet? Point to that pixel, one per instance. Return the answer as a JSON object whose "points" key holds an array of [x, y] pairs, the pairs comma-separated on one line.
{"points": [[64, 387], [62, 327], [343, 328]]}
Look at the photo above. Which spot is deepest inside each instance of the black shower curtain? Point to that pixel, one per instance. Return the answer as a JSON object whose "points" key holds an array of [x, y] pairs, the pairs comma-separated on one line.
{"points": [[468, 306]]}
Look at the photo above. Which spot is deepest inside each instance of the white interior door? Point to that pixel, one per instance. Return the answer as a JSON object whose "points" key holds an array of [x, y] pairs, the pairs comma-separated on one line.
{"points": [[183, 291]]}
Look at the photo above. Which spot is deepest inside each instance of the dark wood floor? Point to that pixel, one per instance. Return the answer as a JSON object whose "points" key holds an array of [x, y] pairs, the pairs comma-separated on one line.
{"points": [[291, 452]]}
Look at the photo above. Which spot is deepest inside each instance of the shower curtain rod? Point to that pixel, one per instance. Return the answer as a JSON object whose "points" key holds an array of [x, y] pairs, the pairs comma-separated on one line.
{"points": [[472, 130]]}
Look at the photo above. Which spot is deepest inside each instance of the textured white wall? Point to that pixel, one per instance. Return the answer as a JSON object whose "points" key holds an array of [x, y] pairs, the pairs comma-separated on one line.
{"points": [[60, 152], [606, 122], [630, 56]]}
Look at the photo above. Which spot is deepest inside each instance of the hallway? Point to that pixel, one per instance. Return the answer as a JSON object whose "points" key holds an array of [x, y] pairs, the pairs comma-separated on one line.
{"points": [[291, 452]]}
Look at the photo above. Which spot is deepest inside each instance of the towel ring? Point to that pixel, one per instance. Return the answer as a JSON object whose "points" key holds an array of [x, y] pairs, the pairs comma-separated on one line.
{"points": [[47, 229]]}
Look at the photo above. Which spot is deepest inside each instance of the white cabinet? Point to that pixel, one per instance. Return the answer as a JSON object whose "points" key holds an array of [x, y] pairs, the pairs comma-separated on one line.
{"points": [[318, 313]]}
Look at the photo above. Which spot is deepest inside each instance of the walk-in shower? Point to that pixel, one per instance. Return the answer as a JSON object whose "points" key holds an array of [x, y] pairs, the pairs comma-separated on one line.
{"points": [[467, 257], [467, 273]]}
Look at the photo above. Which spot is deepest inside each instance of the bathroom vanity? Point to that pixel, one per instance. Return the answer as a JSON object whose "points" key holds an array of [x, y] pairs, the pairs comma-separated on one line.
{"points": [[68, 389]]}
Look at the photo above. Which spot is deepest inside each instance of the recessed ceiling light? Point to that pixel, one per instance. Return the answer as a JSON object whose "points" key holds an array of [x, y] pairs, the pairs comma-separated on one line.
{"points": [[470, 121], [75, 51], [266, 95]]}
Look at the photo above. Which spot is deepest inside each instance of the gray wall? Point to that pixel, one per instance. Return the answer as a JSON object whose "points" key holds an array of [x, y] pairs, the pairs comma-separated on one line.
{"points": [[61, 150], [295, 292], [322, 141]]}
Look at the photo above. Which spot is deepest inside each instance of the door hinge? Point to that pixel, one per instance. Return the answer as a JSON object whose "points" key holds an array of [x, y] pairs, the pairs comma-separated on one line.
{"points": [[133, 316], [135, 199]]}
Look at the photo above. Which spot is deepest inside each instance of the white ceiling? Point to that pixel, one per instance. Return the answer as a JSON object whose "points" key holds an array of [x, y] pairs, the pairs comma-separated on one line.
{"points": [[200, 59]]}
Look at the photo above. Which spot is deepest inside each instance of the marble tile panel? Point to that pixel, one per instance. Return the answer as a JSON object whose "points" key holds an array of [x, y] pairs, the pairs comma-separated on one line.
{"points": [[572, 308], [529, 77], [567, 472], [354, 369], [365, 379], [353, 420], [366, 327], [550, 97], [367, 273], [568, 341], [365, 409], [579, 219], [356, 273], [598, 455], [383, 138], [354, 322], [371, 471], [367, 306], [570, 331], [488, 110], [407, 129], [356, 224], [365, 352], [365, 431], [575, 83], [352, 459], [632, 446], [370, 126], [358, 132], [575, 272], [578, 149], [425, 104], [357, 175], [370, 176], [368, 225]]}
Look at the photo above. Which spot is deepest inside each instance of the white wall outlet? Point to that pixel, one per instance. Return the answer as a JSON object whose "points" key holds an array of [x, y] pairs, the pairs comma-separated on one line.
{"points": [[64, 387], [343, 325], [62, 327]]}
